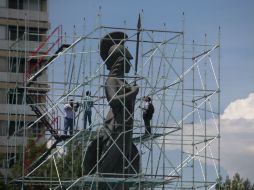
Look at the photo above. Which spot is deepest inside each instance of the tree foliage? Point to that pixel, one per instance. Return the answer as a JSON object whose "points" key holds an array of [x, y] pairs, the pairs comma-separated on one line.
{"points": [[69, 164], [236, 183]]}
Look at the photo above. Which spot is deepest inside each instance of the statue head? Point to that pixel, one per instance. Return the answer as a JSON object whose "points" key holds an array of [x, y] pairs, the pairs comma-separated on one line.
{"points": [[119, 51], [112, 48]]}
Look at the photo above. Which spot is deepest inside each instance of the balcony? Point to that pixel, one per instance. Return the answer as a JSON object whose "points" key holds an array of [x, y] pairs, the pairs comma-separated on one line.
{"points": [[19, 77], [15, 109], [12, 141], [21, 45], [23, 14]]}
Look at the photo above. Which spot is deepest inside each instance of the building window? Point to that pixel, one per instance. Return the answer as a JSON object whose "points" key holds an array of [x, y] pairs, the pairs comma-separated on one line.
{"points": [[11, 160], [34, 34], [3, 128], [7, 162], [3, 65], [16, 128], [3, 3], [16, 32], [11, 128], [15, 96], [2, 32], [43, 5], [17, 65], [39, 5], [36, 130], [15, 4]]}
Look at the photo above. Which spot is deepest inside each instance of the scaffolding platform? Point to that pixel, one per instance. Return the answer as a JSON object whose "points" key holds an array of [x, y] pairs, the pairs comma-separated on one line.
{"points": [[92, 180], [146, 137], [181, 78], [132, 182]]}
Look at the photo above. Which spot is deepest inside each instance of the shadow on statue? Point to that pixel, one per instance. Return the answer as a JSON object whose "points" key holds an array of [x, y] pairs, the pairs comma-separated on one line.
{"points": [[113, 154]]}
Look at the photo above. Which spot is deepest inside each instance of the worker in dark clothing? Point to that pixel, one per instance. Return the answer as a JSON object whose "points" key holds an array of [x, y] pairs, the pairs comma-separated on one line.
{"points": [[148, 111], [88, 104]]}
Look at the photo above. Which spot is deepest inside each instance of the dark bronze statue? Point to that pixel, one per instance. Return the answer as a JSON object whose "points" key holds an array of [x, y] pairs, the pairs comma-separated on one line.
{"points": [[118, 156]]}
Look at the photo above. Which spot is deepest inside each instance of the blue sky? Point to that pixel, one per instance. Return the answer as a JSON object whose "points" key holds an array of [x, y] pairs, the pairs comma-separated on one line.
{"points": [[234, 17], [201, 16]]}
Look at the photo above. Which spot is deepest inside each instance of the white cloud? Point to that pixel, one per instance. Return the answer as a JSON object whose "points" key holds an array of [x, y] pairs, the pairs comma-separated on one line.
{"points": [[237, 142], [237, 137], [237, 147], [242, 108]]}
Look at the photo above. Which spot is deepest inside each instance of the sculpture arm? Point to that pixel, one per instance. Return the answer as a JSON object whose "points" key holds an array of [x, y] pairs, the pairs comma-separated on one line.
{"points": [[112, 93]]}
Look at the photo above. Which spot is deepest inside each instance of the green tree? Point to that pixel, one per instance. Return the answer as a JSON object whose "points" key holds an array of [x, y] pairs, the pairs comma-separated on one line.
{"points": [[32, 152], [247, 184], [2, 184], [69, 163], [236, 183]]}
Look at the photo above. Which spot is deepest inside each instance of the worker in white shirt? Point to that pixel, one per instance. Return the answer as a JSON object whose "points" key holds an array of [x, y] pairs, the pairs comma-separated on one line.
{"points": [[69, 118]]}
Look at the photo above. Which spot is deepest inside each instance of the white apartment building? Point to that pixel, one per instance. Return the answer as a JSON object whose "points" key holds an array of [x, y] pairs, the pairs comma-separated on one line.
{"points": [[23, 26]]}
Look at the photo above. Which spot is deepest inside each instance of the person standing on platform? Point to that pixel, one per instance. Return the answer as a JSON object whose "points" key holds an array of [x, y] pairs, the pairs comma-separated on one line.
{"points": [[88, 104], [69, 118], [148, 111]]}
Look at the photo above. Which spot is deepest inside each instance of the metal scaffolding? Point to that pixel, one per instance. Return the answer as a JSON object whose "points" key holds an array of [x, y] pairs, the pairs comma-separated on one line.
{"points": [[183, 80]]}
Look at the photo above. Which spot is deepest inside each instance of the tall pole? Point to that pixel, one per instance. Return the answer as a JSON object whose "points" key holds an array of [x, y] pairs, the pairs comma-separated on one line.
{"points": [[137, 46], [136, 68], [219, 90], [182, 109]]}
